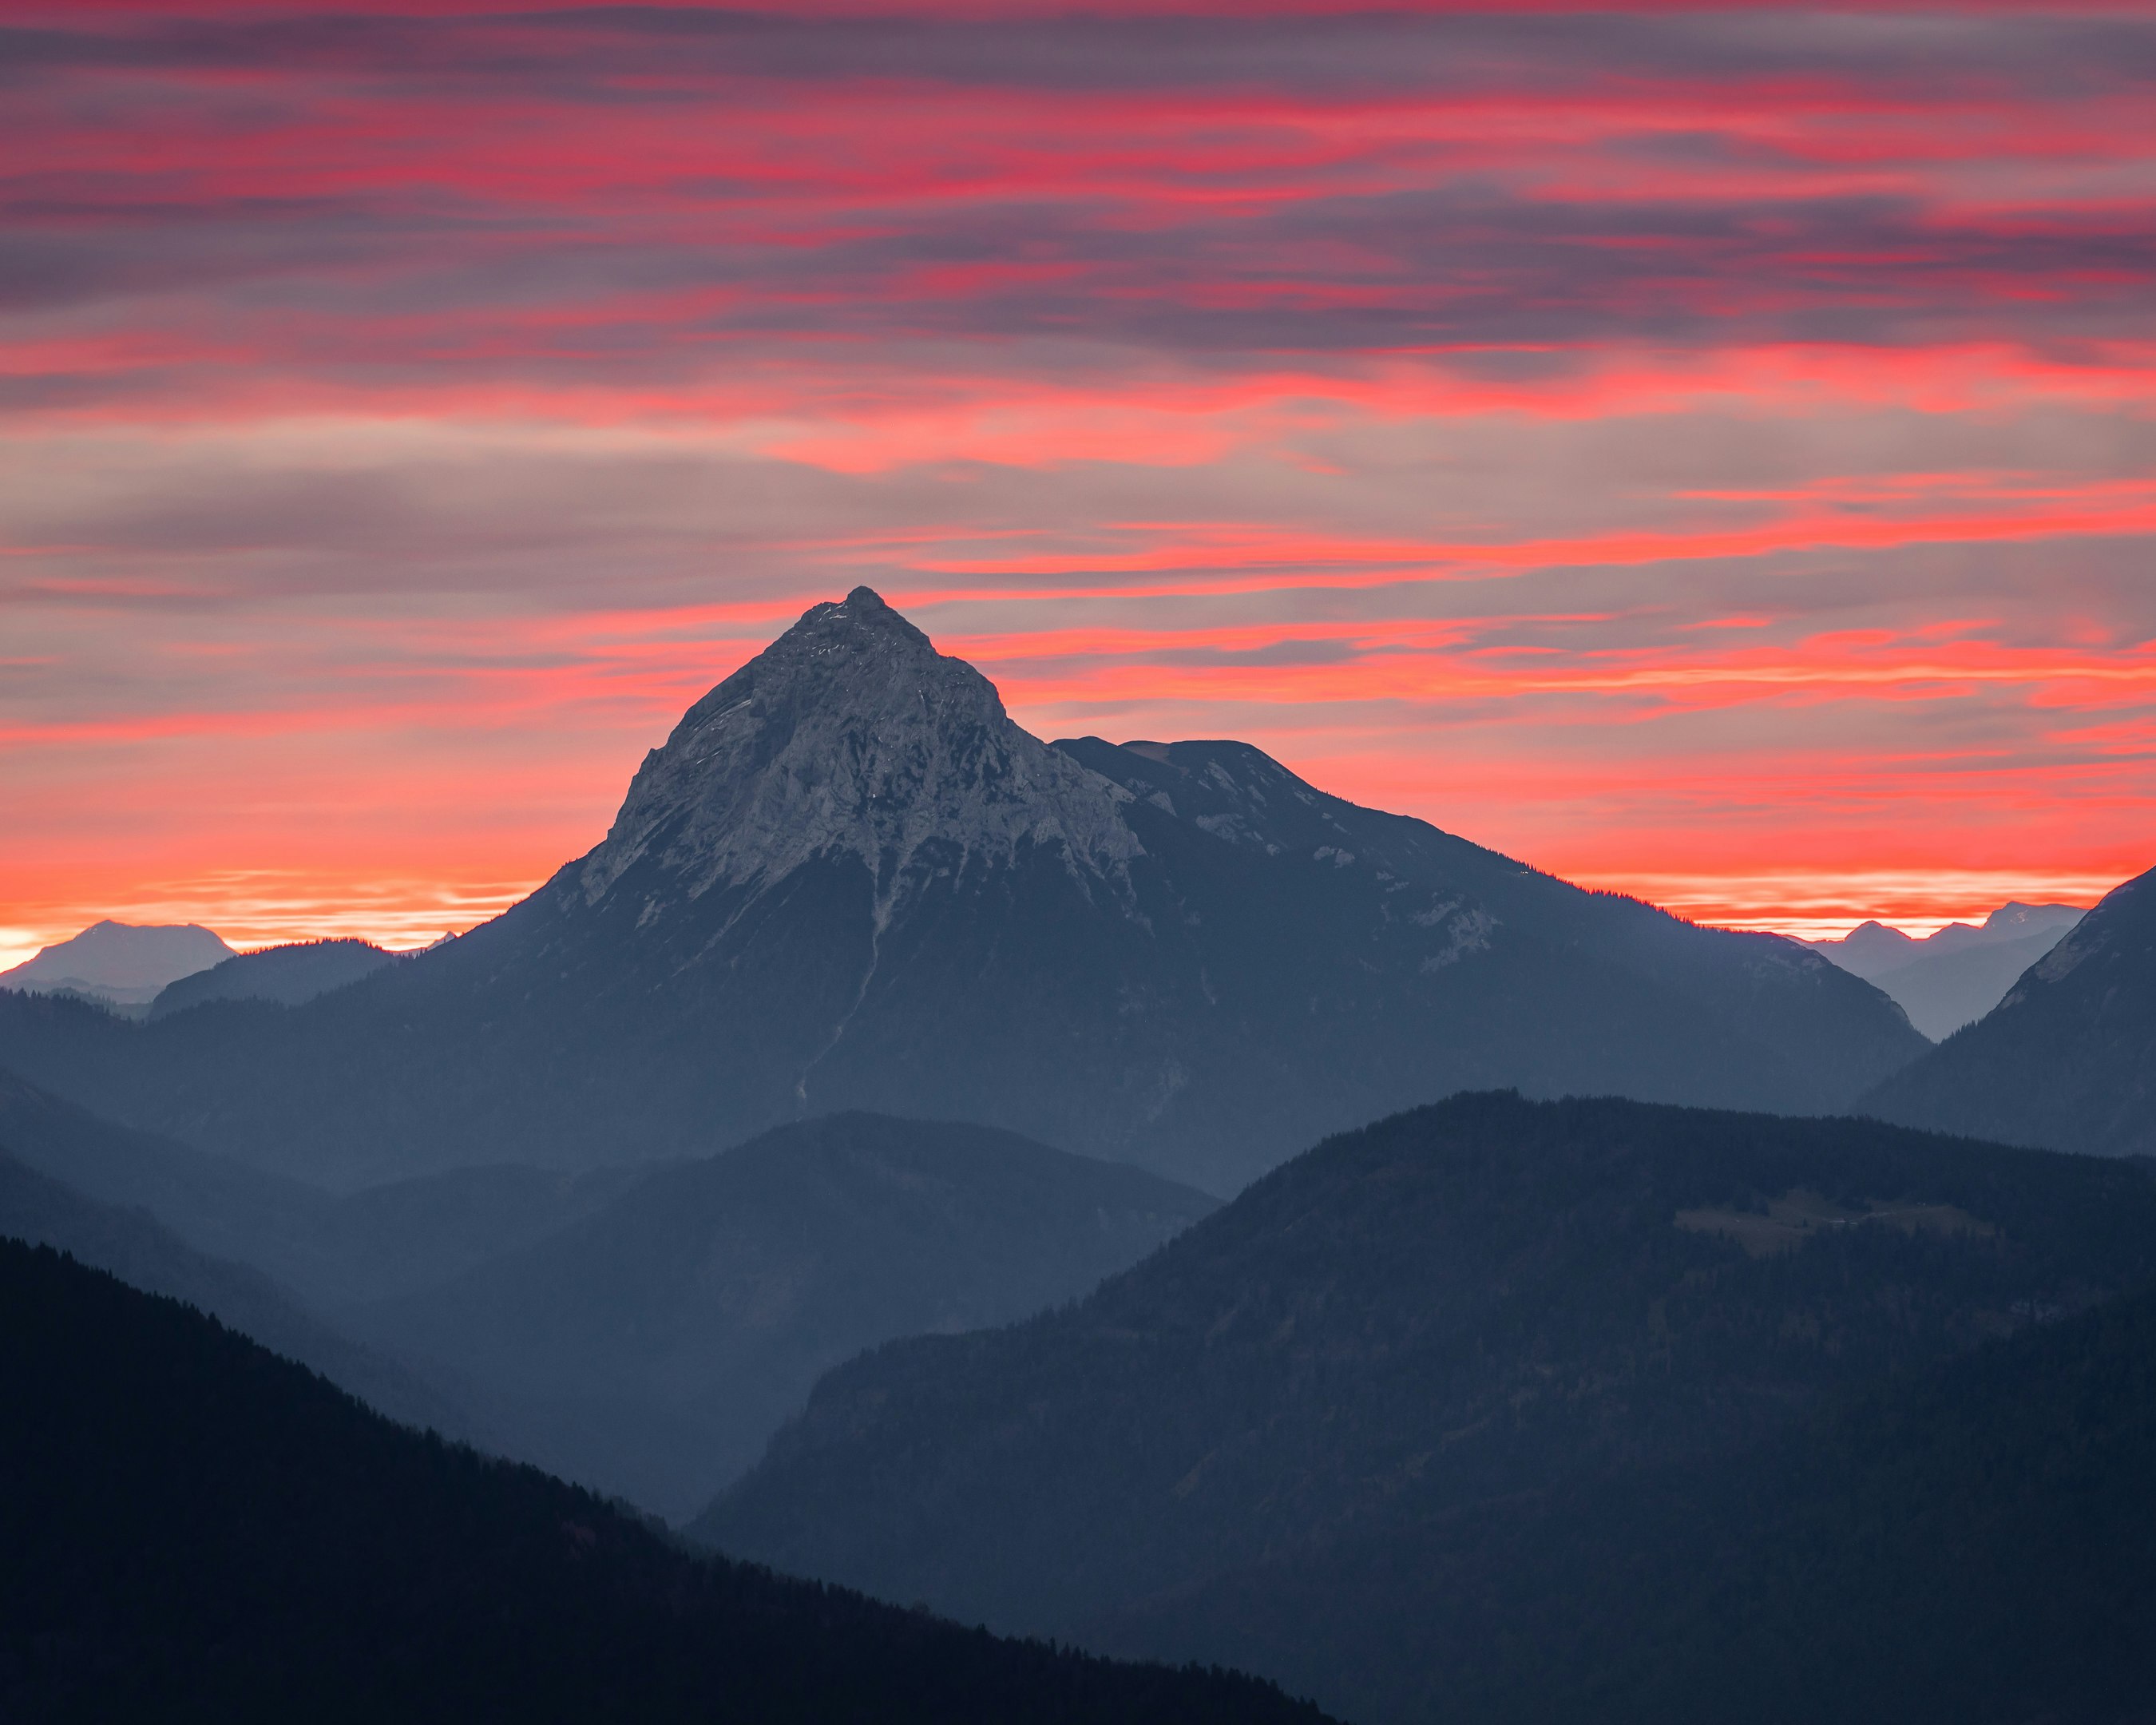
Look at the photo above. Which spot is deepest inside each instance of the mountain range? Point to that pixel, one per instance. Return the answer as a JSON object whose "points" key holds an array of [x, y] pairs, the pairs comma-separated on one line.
{"points": [[641, 1331], [717, 1175], [215, 1533], [122, 963], [849, 879], [1436, 1322], [1955, 975]]}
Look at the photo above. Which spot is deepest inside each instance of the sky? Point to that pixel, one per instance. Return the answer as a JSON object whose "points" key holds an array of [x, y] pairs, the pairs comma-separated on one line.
{"points": [[1707, 452]]}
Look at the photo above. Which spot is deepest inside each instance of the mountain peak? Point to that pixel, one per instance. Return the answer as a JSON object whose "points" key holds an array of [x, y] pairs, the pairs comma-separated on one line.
{"points": [[850, 733], [111, 954], [2122, 927], [2014, 918], [864, 615]]}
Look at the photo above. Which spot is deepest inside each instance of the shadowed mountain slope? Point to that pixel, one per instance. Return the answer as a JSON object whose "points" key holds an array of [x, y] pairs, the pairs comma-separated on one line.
{"points": [[849, 880], [1456, 1306], [2067, 1059], [134, 1247], [191, 1529], [1377, 916], [653, 1347]]}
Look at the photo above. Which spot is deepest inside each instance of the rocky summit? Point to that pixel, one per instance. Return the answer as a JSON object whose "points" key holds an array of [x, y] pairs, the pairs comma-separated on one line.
{"points": [[852, 736], [849, 879]]}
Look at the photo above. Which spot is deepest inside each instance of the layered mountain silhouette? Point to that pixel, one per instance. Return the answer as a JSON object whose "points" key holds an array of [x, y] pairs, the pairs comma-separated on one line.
{"points": [[2068, 1058], [1954, 976], [849, 880], [336, 1251], [1438, 1320], [216, 1533], [1873, 949], [289, 975], [123, 964], [641, 1331], [133, 1246], [651, 1348]]}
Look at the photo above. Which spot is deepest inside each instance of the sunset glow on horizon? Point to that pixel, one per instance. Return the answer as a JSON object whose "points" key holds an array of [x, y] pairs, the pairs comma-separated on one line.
{"points": [[1707, 452]]}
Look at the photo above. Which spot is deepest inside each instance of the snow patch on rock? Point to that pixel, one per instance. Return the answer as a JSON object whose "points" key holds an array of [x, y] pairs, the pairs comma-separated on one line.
{"points": [[1468, 932]]}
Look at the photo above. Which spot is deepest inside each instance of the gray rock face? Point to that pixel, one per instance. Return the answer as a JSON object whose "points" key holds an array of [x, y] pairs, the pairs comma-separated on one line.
{"points": [[852, 736]]}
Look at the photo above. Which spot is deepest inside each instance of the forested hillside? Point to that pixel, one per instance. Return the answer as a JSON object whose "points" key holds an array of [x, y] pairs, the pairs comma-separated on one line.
{"points": [[1971, 1545], [217, 1534], [1446, 1314]]}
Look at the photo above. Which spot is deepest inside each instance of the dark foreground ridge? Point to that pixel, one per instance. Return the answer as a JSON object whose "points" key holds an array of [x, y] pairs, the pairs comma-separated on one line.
{"points": [[1382, 1364], [144, 1254], [216, 1534]]}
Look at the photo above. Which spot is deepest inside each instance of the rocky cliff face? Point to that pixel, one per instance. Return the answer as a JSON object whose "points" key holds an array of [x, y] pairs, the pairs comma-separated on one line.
{"points": [[851, 735]]}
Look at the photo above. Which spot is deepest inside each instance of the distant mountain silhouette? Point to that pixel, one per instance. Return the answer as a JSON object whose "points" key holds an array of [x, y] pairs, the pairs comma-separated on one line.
{"points": [[1447, 1315], [1872, 949], [191, 1528], [1963, 1546], [141, 1253], [123, 963], [288, 975], [1957, 974], [1943, 992], [2067, 1059], [849, 880], [653, 1347]]}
